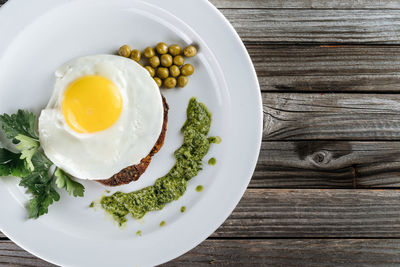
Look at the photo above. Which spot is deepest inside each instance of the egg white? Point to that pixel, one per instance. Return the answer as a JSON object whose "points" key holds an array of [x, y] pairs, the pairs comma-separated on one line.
{"points": [[100, 155]]}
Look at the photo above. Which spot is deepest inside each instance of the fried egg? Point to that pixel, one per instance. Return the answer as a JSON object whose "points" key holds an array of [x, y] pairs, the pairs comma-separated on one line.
{"points": [[105, 113]]}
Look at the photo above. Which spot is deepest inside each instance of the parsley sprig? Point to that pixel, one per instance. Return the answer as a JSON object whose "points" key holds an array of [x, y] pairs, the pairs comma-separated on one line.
{"points": [[31, 165]]}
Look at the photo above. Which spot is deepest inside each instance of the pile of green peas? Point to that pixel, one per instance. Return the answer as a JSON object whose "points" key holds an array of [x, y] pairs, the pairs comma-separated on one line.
{"points": [[166, 64]]}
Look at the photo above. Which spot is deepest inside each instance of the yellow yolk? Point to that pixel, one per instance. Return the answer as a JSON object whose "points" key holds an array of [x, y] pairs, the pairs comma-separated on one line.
{"points": [[91, 104]]}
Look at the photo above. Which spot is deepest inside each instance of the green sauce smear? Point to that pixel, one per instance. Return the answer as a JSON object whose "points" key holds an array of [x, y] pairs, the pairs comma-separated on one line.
{"points": [[212, 161], [199, 188], [139, 233], [215, 139], [171, 186]]}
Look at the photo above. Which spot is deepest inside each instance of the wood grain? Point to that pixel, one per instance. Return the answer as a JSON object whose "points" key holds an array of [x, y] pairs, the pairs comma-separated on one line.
{"points": [[327, 68], [316, 26], [278, 252], [331, 116], [297, 252], [328, 164], [307, 4], [312, 213]]}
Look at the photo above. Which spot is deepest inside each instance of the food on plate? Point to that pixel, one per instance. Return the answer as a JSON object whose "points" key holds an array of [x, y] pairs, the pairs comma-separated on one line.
{"points": [[183, 209], [182, 81], [190, 51], [162, 223], [105, 121], [212, 161], [199, 188], [158, 81], [154, 61], [162, 73], [136, 55], [164, 62], [179, 60], [175, 50], [174, 71], [171, 186], [187, 69], [105, 114], [31, 165], [151, 71], [149, 52], [170, 82], [132, 173], [124, 51], [162, 48]]}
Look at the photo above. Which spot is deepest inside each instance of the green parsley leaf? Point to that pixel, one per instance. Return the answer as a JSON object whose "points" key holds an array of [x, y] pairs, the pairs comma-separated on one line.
{"points": [[64, 181], [40, 184], [32, 165], [23, 122], [28, 146], [11, 164]]}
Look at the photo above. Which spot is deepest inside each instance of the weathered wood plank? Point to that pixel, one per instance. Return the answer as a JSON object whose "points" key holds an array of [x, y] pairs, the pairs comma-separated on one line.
{"points": [[316, 26], [315, 213], [282, 252], [327, 68], [299, 252], [12, 255], [328, 164], [331, 116], [307, 4], [312, 213]]}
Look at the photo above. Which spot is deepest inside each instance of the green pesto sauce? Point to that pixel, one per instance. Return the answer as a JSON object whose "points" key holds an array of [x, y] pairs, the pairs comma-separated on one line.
{"points": [[183, 209], [215, 139], [199, 188], [139, 233], [171, 186], [91, 204], [162, 224], [212, 161]]}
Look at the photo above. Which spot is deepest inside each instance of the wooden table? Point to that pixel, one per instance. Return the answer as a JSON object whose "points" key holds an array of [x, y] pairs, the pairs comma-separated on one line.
{"points": [[326, 188]]}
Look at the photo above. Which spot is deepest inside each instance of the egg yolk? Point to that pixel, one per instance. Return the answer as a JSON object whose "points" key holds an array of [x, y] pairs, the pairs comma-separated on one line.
{"points": [[91, 104]]}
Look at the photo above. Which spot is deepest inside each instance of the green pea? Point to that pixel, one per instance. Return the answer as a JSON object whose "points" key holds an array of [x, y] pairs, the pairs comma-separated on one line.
{"points": [[136, 55], [124, 51], [149, 52]]}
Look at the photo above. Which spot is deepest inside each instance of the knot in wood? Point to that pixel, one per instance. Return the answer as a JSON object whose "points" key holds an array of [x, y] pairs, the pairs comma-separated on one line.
{"points": [[321, 158]]}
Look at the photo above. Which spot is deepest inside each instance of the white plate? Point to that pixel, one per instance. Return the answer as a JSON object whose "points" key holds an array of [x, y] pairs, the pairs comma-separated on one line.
{"points": [[38, 36]]}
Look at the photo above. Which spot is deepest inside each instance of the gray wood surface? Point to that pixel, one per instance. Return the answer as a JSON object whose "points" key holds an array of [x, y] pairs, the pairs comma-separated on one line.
{"points": [[316, 26], [331, 116], [261, 252], [327, 68], [307, 4], [326, 187]]}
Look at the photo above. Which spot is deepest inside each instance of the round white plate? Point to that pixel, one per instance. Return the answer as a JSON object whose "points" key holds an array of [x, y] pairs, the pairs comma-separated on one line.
{"points": [[39, 36]]}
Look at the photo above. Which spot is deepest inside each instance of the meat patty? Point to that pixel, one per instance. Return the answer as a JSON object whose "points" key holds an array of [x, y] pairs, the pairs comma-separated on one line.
{"points": [[132, 173]]}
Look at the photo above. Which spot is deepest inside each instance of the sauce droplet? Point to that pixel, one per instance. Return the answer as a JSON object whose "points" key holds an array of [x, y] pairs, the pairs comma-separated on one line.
{"points": [[215, 139], [199, 188], [162, 224], [183, 209], [212, 161], [139, 233]]}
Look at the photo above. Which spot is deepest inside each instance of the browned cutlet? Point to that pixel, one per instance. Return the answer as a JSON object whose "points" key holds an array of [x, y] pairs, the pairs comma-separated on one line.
{"points": [[132, 173]]}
